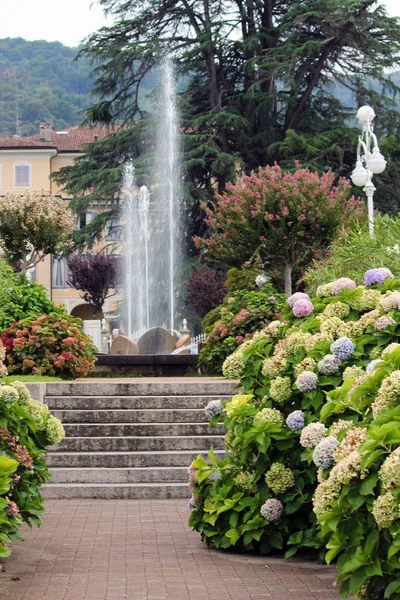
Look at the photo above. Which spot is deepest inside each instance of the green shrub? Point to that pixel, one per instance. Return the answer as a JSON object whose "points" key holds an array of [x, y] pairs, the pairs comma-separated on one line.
{"points": [[357, 502], [22, 465], [242, 313], [308, 386], [20, 298], [355, 251], [49, 345]]}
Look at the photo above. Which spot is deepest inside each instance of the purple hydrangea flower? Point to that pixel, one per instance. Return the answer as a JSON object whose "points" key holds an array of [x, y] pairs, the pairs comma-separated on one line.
{"points": [[373, 276], [343, 283], [213, 409], [307, 381], [343, 348], [371, 366], [271, 298], [295, 297], [383, 322], [295, 420], [303, 308], [323, 452], [329, 364], [271, 510], [191, 504]]}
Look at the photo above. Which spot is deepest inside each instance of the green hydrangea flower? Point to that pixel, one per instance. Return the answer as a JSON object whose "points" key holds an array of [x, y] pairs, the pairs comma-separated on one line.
{"points": [[336, 309], [268, 415], [244, 481], [39, 413], [24, 394], [8, 394], [280, 389], [279, 479], [54, 430]]}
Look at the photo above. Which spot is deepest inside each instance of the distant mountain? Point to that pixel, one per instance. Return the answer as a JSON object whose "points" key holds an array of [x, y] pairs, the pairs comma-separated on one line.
{"points": [[41, 81]]}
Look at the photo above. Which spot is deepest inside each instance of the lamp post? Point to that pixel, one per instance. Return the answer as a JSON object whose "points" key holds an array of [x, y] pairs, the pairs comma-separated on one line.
{"points": [[368, 163]]}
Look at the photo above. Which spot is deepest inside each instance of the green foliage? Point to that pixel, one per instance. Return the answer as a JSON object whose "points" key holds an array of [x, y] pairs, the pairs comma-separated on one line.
{"points": [[243, 278], [49, 345], [232, 497], [241, 314], [22, 465], [20, 299], [42, 82], [354, 251]]}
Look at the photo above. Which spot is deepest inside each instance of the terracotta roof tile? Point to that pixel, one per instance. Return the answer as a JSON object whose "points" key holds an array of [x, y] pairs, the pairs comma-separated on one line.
{"points": [[67, 140]]}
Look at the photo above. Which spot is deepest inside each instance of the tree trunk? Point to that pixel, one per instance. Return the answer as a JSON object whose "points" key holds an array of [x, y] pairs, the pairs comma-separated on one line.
{"points": [[288, 279]]}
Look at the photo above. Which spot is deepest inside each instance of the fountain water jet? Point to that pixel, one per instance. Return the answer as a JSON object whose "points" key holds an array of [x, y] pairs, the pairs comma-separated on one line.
{"points": [[152, 226]]}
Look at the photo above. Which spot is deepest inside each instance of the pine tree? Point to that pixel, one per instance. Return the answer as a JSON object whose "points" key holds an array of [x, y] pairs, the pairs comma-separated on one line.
{"points": [[262, 81]]}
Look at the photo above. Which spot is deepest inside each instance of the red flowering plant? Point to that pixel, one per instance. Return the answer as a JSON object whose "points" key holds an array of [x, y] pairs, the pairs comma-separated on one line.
{"points": [[290, 218], [242, 314], [49, 345]]}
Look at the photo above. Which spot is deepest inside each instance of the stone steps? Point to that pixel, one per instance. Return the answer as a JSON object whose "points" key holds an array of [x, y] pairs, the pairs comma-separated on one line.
{"points": [[150, 491], [130, 402], [129, 444], [140, 429], [131, 439], [120, 475], [159, 415], [172, 458]]}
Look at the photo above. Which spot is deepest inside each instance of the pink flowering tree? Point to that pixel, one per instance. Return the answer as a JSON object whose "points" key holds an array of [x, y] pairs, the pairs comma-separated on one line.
{"points": [[287, 218], [32, 225]]}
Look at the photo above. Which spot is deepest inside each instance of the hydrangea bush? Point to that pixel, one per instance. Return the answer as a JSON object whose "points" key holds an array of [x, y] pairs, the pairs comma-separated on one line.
{"points": [[49, 345], [311, 427], [243, 313], [26, 428]]}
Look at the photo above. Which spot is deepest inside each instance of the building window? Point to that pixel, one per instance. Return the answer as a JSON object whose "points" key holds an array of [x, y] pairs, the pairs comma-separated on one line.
{"points": [[113, 231], [22, 174], [59, 272]]}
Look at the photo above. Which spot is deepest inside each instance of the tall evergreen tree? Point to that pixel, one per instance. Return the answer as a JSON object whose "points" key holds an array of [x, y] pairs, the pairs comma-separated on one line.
{"points": [[263, 81]]}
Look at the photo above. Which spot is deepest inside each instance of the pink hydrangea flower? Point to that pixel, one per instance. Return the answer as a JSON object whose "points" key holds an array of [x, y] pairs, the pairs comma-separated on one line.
{"points": [[303, 308], [343, 283], [296, 297]]}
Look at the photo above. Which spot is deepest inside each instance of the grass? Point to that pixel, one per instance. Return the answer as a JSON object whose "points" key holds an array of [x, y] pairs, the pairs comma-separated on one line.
{"points": [[35, 378]]}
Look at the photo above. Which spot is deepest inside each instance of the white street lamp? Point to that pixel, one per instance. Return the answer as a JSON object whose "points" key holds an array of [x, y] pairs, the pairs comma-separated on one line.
{"points": [[368, 163]]}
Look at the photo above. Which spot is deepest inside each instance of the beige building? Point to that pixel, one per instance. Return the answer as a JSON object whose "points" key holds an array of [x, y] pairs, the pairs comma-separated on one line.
{"points": [[26, 163]]}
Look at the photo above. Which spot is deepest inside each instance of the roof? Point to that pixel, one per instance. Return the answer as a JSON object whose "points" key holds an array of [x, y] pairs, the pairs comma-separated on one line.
{"points": [[66, 140]]}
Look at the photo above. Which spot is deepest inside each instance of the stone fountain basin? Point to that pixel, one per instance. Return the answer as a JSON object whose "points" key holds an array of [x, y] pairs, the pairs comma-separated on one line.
{"points": [[149, 365]]}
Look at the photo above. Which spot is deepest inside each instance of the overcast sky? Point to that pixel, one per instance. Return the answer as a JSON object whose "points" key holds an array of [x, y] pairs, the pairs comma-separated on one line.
{"points": [[67, 21]]}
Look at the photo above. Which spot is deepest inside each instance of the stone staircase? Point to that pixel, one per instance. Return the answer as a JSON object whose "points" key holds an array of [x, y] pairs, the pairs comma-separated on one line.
{"points": [[133, 439]]}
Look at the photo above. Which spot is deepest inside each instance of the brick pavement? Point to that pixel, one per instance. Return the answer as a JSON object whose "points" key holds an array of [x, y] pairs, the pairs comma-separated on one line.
{"points": [[144, 550]]}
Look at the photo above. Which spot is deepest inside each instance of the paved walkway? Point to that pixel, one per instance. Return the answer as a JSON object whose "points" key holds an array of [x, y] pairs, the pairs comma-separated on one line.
{"points": [[144, 550]]}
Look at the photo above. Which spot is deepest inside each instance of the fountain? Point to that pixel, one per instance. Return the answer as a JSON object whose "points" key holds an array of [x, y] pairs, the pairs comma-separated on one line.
{"points": [[151, 233]]}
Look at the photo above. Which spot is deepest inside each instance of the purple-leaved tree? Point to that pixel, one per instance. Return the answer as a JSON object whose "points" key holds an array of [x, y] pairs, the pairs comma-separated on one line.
{"points": [[95, 277]]}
